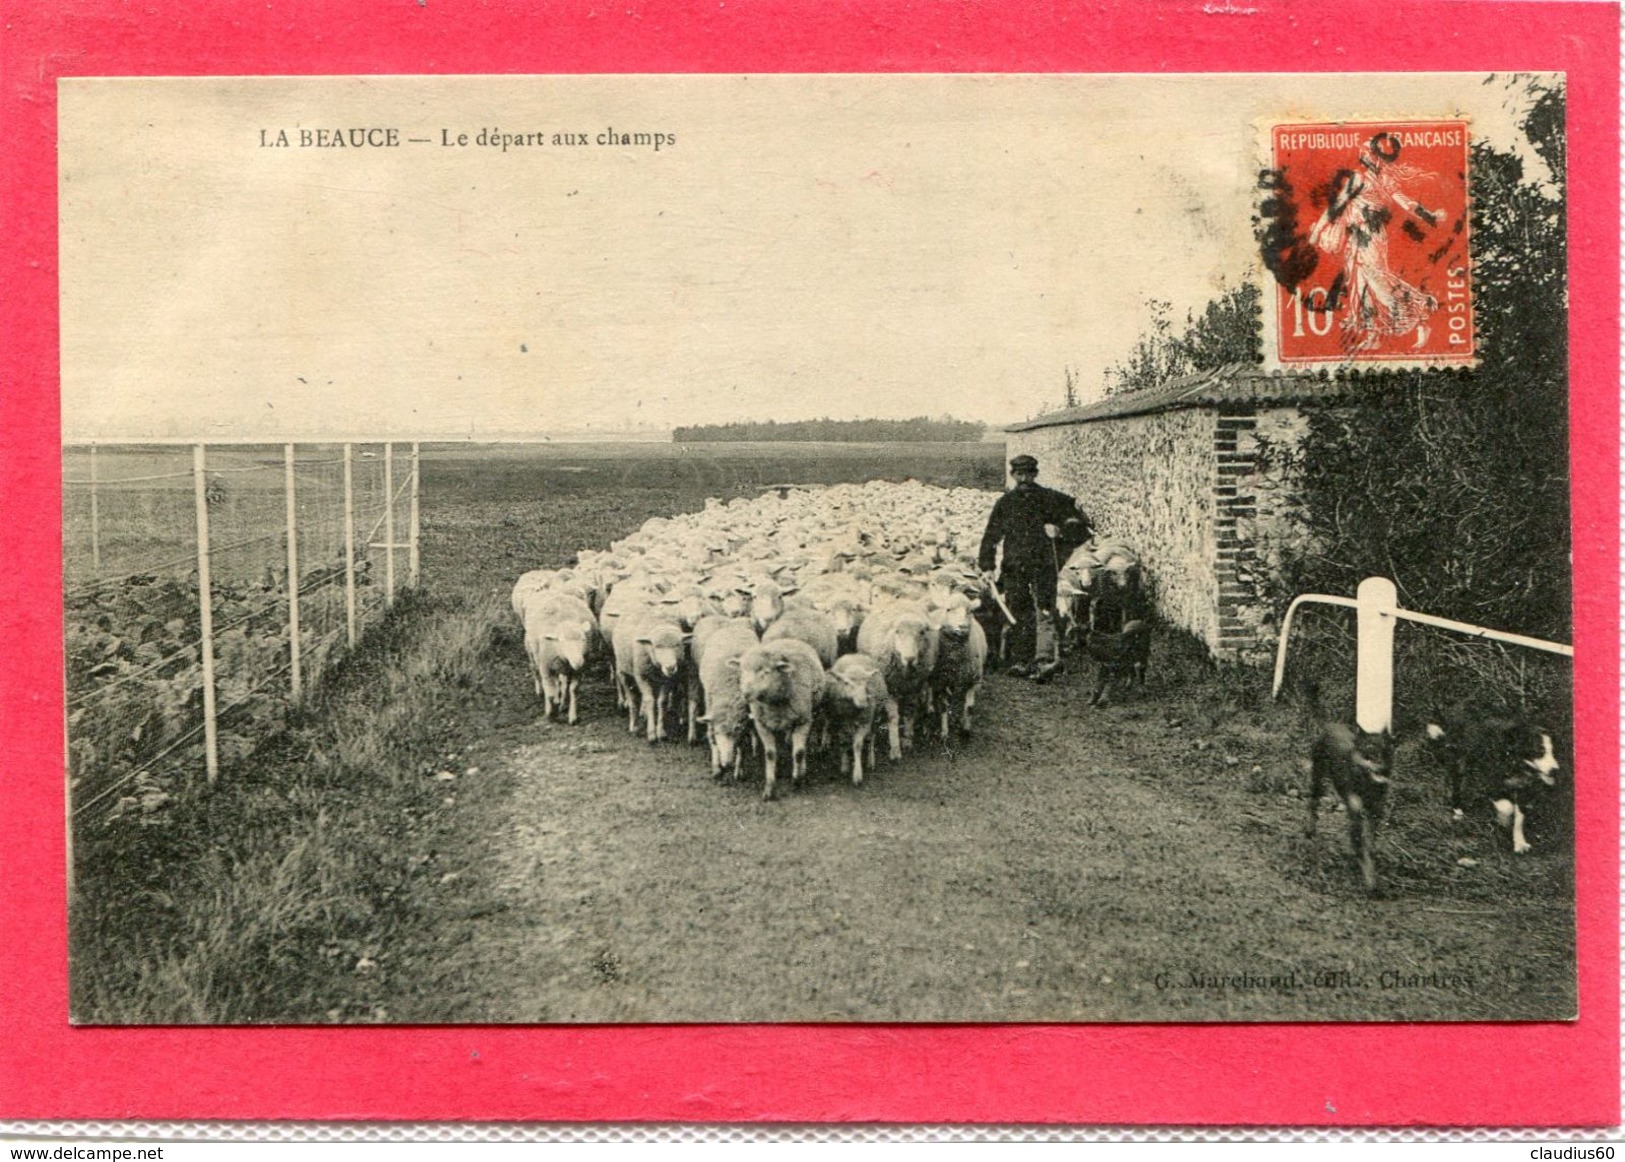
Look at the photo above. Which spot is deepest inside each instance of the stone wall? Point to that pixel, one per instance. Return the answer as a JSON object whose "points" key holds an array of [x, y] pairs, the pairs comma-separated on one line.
{"points": [[1147, 480], [1189, 489]]}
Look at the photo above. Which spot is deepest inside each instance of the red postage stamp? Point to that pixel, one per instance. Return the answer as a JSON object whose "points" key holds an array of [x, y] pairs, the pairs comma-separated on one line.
{"points": [[1364, 227]]}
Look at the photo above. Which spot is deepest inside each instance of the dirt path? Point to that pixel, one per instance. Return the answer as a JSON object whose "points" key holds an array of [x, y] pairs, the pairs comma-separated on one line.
{"points": [[1141, 862]]}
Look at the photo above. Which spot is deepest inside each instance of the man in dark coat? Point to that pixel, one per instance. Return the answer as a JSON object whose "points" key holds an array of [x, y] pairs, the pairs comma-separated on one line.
{"points": [[1039, 527]]}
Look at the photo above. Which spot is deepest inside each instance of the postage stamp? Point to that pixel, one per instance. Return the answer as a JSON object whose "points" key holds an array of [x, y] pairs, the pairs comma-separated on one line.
{"points": [[1363, 228]]}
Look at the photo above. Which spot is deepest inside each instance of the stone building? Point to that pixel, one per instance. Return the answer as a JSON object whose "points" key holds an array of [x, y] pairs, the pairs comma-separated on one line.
{"points": [[1199, 475]]}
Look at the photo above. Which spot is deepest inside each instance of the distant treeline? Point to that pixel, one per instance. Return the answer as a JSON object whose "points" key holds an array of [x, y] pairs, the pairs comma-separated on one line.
{"points": [[921, 429]]}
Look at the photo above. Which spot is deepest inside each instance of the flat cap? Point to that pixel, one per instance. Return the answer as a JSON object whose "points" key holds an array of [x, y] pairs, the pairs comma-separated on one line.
{"points": [[1024, 463]]}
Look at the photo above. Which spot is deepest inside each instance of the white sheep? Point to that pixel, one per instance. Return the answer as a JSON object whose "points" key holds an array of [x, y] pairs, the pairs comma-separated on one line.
{"points": [[961, 658], [560, 632], [854, 695], [727, 714], [806, 625], [650, 652], [781, 682], [901, 638]]}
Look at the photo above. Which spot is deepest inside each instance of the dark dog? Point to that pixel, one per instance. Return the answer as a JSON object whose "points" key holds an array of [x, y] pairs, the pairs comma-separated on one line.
{"points": [[1506, 759], [1359, 765], [1119, 637], [1120, 658]]}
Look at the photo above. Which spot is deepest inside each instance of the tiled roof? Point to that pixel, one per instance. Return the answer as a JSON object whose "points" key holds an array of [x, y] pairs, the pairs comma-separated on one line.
{"points": [[1233, 383]]}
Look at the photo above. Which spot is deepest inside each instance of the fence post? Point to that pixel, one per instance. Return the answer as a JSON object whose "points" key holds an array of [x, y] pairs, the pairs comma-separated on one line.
{"points": [[412, 536], [95, 517], [349, 543], [205, 600], [389, 524], [1374, 669], [293, 572]]}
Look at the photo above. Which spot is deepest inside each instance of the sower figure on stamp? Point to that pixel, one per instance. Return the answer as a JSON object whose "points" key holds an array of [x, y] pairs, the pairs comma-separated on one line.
{"points": [[1038, 527]]}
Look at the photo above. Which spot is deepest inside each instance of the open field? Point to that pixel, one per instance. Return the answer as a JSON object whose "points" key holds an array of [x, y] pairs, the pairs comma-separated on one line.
{"points": [[1142, 862]]}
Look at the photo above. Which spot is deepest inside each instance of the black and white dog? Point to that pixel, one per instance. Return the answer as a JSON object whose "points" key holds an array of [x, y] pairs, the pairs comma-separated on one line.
{"points": [[1509, 760]]}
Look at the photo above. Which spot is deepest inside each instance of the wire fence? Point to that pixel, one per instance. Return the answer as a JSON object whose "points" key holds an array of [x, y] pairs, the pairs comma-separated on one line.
{"points": [[206, 590]]}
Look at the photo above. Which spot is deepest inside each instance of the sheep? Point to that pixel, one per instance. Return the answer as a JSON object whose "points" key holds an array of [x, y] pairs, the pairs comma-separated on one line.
{"points": [[1104, 561], [726, 711], [961, 658], [806, 625], [560, 631], [781, 681], [650, 651], [854, 693], [535, 581], [901, 638], [767, 602], [699, 637]]}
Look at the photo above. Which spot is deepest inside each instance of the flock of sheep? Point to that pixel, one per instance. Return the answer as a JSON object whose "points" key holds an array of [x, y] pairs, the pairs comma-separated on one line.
{"points": [[839, 610]]}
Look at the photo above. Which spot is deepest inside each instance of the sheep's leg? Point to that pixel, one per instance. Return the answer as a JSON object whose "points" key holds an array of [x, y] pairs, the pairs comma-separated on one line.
{"points": [[770, 753], [869, 733], [550, 695], [798, 751], [649, 706], [859, 736], [693, 717], [964, 721], [847, 757], [891, 730], [657, 724], [571, 685]]}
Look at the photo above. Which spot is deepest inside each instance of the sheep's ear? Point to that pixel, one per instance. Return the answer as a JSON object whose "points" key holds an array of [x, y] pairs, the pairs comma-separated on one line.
{"points": [[788, 590], [688, 637], [646, 641], [782, 665], [976, 603], [732, 663]]}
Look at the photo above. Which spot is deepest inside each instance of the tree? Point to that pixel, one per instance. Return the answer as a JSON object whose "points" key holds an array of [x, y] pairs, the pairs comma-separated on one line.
{"points": [[1227, 331]]}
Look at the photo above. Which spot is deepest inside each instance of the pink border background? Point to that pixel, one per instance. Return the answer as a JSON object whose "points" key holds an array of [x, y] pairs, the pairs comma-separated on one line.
{"points": [[1261, 1074]]}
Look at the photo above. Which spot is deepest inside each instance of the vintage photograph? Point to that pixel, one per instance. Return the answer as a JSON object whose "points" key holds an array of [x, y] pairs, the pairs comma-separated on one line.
{"points": [[817, 548]]}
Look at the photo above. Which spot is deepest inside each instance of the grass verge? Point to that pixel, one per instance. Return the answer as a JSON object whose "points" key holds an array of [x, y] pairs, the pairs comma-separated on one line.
{"points": [[278, 897]]}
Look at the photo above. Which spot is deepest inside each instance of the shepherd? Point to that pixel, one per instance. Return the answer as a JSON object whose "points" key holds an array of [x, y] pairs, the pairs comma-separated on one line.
{"points": [[1038, 528]]}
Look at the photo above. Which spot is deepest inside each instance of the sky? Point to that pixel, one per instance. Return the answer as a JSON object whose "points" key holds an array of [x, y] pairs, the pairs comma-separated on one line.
{"points": [[805, 246]]}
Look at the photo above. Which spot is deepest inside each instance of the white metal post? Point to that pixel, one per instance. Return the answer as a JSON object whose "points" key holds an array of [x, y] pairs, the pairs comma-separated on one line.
{"points": [[205, 602], [389, 524], [95, 517], [412, 548], [293, 572], [349, 544], [1374, 671]]}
